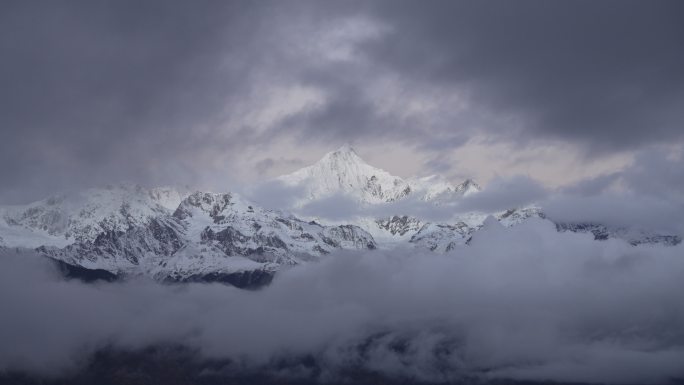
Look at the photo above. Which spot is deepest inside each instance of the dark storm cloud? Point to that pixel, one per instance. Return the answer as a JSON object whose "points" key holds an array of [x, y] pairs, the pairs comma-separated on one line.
{"points": [[604, 74], [98, 91], [265, 165], [95, 91], [108, 90], [347, 113], [656, 172]]}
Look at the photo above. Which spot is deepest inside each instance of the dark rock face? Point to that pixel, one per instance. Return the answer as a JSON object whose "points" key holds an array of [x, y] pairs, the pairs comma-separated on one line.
{"points": [[290, 224], [433, 236], [166, 234], [602, 232], [232, 242], [214, 204], [334, 236], [227, 237], [251, 280], [518, 215], [160, 236], [399, 224], [83, 274], [670, 240]]}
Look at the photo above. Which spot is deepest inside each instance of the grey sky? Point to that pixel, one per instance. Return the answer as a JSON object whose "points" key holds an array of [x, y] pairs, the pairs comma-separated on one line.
{"points": [[215, 93]]}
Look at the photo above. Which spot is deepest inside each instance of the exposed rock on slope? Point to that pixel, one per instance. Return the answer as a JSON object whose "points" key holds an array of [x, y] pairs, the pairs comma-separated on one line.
{"points": [[210, 234]]}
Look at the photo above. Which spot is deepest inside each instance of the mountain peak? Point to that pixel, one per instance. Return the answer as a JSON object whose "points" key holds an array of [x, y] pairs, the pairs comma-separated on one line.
{"points": [[341, 158], [346, 148], [343, 172], [468, 187]]}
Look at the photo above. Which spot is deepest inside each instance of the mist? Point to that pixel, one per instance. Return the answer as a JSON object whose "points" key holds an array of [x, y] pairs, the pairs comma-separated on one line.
{"points": [[524, 303]]}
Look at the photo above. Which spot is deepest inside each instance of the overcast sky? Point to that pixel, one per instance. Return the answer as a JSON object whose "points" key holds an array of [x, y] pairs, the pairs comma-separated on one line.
{"points": [[216, 94]]}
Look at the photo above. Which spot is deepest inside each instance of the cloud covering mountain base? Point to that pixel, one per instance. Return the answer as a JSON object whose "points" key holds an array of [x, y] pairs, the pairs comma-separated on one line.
{"points": [[524, 303]]}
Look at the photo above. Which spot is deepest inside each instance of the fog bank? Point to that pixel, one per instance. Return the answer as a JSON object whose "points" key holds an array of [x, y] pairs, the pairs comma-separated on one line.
{"points": [[519, 303]]}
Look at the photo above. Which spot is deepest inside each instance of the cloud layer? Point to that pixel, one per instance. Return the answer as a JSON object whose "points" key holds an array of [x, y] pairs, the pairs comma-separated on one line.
{"points": [[526, 303], [171, 93]]}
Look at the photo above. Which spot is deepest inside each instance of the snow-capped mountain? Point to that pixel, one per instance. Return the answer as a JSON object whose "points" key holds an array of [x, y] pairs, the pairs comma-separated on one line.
{"points": [[211, 233], [170, 234], [82, 216], [343, 172], [167, 234]]}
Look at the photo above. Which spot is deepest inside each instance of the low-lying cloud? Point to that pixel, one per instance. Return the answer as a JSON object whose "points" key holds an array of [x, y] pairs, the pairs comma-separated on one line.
{"points": [[499, 195], [644, 195], [523, 303], [504, 193]]}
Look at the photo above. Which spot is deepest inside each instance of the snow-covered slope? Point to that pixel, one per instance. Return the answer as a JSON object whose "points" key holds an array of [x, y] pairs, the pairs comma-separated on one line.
{"points": [[344, 172], [436, 188], [442, 237], [82, 216], [210, 233]]}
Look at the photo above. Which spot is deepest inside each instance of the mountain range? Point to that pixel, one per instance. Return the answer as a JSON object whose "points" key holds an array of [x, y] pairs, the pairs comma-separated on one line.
{"points": [[174, 235]]}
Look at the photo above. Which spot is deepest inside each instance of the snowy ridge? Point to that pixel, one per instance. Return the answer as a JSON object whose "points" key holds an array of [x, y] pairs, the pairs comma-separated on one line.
{"points": [[444, 237], [170, 234], [210, 233], [65, 219], [436, 188]]}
